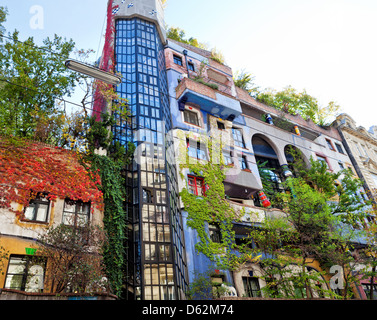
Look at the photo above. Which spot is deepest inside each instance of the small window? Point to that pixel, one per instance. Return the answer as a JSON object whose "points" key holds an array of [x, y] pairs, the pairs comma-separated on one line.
{"points": [[147, 196], [76, 213], [238, 139], [243, 162], [251, 287], [25, 273], [341, 165], [196, 150], [227, 158], [330, 145], [339, 148], [220, 125], [214, 233], [191, 66], [323, 159], [196, 186], [191, 117], [177, 60], [37, 211]]}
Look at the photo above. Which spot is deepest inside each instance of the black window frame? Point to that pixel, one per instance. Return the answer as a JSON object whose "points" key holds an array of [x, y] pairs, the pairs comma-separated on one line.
{"points": [[243, 162], [76, 213], [30, 261], [191, 66], [339, 148], [189, 115], [214, 233], [178, 60], [36, 203], [249, 290]]}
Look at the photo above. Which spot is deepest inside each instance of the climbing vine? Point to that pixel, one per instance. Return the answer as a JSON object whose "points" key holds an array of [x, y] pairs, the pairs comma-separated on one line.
{"points": [[213, 208], [29, 168]]}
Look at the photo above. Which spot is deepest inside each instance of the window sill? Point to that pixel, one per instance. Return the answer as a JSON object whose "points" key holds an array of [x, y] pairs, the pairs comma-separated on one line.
{"points": [[34, 222], [193, 125]]}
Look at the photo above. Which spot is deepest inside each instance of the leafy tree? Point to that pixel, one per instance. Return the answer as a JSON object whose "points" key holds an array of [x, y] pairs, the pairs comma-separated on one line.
{"points": [[294, 102], [74, 258], [32, 79], [369, 253], [245, 81], [3, 18]]}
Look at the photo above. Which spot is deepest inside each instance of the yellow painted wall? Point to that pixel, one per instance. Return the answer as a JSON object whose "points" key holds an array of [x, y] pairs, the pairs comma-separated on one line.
{"points": [[16, 246]]}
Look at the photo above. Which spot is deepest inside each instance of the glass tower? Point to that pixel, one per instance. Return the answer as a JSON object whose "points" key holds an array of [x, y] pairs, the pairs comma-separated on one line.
{"points": [[156, 268]]}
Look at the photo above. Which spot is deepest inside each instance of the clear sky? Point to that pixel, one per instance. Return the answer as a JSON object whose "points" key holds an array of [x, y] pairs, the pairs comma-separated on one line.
{"points": [[328, 47]]}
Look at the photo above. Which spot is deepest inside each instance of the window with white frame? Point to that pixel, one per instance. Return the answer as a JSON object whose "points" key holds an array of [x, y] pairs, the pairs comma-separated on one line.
{"points": [[238, 138], [76, 213]]}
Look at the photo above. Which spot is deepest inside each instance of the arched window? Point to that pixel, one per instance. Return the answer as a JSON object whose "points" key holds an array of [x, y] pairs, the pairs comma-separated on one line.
{"points": [[268, 165]]}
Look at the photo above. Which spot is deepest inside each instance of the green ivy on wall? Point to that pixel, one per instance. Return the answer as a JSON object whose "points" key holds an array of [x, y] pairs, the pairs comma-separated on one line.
{"points": [[213, 208]]}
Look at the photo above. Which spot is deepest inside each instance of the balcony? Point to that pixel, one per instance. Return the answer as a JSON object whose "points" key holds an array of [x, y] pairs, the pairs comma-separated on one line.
{"points": [[241, 184], [210, 100]]}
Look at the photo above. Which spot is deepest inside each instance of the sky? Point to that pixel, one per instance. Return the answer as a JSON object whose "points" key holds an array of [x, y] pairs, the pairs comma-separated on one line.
{"points": [[327, 47]]}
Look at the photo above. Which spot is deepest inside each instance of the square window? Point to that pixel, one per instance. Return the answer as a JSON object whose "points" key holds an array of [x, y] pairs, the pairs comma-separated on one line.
{"points": [[25, 273], [196, 150], [147, 196], [191, 117], [76, 213], [220, 125], [251, 286], [196, 186], [227, 158], [37, 211], [323, 159], [214, 233], [177, 60]]}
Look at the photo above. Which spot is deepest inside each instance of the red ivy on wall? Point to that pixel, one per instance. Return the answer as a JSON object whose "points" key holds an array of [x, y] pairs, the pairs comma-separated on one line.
{"points": [[107, 62], [27, 169]]}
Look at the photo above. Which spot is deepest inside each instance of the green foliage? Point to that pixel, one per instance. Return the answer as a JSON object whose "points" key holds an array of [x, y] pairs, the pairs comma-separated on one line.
{"points": [[111, 171], [245, 81], [32, 78], [203, 288], [178, 34], [291, 101], [74, 257], [3, 18], [213, 209], [4, 256], [112, 186], [211, 85]]}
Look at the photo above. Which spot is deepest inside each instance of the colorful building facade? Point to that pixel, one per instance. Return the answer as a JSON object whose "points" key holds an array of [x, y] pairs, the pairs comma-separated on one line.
{"points": [[177, 94]]}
